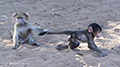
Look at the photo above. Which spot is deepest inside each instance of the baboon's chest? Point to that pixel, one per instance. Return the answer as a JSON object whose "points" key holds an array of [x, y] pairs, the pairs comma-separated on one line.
{"points": [[23, 33]]}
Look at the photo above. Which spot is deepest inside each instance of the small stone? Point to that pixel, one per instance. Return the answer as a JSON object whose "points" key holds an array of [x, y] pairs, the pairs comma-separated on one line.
{"points": [[57, 14], [49, 23], [11, 37], [87, 17], [79, 28], [2, 27], [7, 63], [45, 59], [35, 23], [44, 10]]}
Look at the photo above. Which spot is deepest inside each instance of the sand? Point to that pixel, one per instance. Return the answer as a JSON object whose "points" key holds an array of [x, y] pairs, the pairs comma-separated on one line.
{"points": [[59, 15]]}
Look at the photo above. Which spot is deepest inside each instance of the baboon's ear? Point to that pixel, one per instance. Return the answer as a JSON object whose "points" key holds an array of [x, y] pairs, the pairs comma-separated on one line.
{"points": [[14, 14], [28, 15], [90, 29]]}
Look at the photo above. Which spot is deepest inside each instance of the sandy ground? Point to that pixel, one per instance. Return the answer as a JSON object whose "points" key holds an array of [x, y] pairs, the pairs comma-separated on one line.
{"points": [[59, 15]]}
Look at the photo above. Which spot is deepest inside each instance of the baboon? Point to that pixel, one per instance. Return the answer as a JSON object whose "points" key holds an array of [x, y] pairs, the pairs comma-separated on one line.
{"points": [[88, 35]]}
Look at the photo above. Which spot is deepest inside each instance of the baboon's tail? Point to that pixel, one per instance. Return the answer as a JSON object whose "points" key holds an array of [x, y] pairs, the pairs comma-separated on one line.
{"points": [[62, 32]]}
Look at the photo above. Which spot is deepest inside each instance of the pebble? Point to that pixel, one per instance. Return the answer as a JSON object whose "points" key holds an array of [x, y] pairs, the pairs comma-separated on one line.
{"points": [[112, 48], [35, 23], [45, 59], [79, 28], [49, 23], [2, 27]]}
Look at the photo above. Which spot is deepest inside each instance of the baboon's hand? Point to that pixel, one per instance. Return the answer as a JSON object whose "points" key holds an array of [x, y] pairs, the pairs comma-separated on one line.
{"points": [[43, 33]]}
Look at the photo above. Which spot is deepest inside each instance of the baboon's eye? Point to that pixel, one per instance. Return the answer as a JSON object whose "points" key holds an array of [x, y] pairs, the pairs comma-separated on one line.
{"points": [[20, 17]]}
